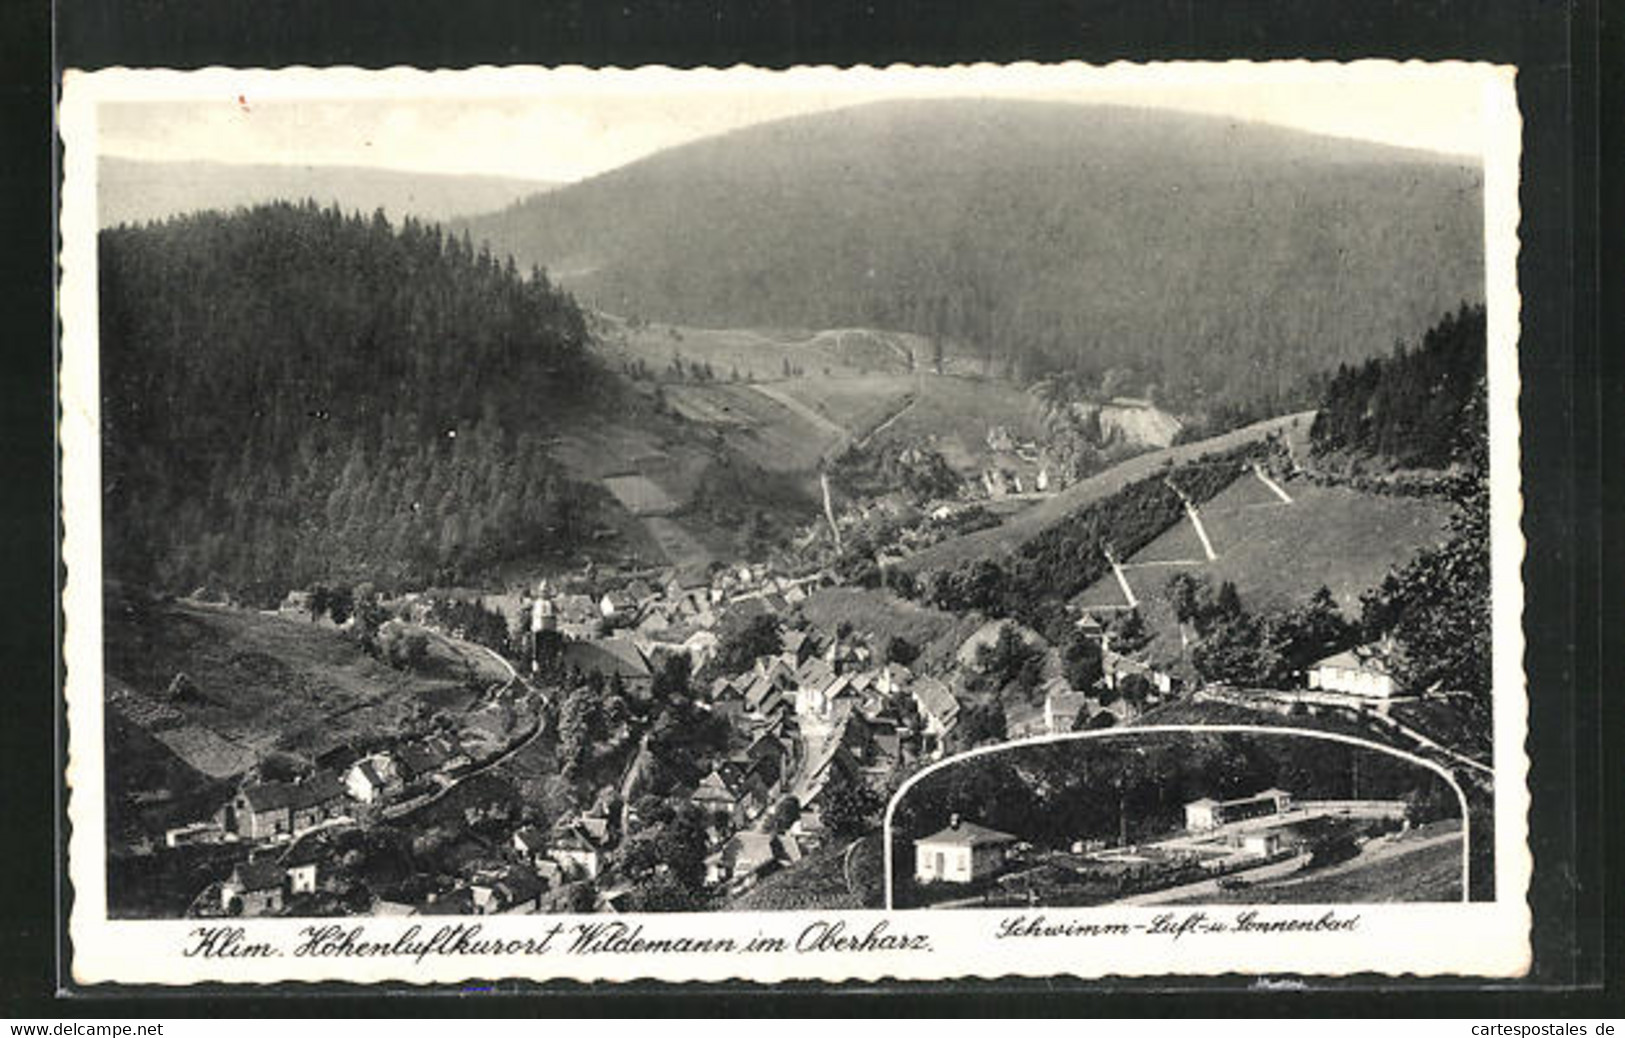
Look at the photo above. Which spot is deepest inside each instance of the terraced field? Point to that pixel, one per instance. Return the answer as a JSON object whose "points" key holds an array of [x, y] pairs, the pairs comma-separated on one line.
{"points": [[1023, 526], [1278, 554]]}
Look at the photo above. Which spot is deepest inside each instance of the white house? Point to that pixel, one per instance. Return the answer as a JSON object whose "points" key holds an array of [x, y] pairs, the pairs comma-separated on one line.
{"points": [[373, 778], [1357, 672], [1208, 813], [1261, 844], [576, 853], [1063, 707], [302, 878], [962, 853]]}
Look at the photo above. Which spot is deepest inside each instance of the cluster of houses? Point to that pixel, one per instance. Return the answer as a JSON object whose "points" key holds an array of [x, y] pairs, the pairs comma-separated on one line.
{"points": [[277, 811], [677, 611], [816, 719]]}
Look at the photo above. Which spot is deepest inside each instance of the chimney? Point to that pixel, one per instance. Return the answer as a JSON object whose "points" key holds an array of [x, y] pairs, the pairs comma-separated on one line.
{"points": [[953, 820]]}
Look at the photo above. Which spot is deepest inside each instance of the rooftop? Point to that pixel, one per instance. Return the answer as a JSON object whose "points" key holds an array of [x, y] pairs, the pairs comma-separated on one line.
{"points": [[968, 834]]}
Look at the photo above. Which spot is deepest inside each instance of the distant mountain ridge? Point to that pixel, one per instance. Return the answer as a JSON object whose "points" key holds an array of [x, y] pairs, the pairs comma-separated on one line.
{"points": [[136, 190], [1210, 258]]}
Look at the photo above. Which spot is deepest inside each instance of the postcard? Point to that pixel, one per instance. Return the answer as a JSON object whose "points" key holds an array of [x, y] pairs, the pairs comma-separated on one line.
{"points": [[812, 524]]}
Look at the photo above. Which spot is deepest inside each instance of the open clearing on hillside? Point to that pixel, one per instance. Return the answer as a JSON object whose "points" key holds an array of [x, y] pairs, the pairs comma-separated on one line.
{"points": [[756, 354], [955, 414], [1022, 527], [881, 616], [265, 682], [761, 428], [640, 495], [760, 354], [1278, 554], [853, 405]]}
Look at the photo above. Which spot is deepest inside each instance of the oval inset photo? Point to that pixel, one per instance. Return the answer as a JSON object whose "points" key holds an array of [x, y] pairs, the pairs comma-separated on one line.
{"points": [[1182, 816]]}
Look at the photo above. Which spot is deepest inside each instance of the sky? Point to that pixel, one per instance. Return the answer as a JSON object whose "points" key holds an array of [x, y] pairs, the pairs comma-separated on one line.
{"points": [[566, 125]]}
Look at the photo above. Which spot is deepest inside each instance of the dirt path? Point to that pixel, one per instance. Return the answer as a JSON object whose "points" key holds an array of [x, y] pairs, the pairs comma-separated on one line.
{"points": [[779, 396], [908, 405]]}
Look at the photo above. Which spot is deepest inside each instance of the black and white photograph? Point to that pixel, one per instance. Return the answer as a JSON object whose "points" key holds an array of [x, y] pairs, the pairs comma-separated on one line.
{"points": [[615, 498], [1185, 817]]}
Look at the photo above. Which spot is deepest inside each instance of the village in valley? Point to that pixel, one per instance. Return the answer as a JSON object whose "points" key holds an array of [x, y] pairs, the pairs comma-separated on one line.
{"points": [[707, 735], [525, 568]]}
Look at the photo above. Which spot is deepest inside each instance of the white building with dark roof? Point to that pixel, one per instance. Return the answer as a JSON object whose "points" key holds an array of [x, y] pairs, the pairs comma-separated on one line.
{"points": [[963, 852], [1357, 672]]}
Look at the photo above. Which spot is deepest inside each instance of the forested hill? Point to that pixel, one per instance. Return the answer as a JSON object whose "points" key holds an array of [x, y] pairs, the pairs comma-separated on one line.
{"points": [[1218, 261], [1415, 407], [290, 394]]}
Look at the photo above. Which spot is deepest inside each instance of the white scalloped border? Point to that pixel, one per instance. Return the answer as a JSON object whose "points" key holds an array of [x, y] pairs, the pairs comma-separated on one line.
{"points": [[1479, 940]]}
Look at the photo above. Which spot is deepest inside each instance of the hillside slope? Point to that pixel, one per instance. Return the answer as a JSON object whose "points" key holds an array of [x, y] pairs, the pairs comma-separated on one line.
{"points": [[1279, 554], [1025, 525], [136, 191], [1215, 259], [291, 394]]}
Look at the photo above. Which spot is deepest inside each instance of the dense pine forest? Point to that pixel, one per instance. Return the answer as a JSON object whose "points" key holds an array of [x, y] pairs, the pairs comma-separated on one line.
{"points": [[293, 394], [1409, 407], [1210, 262]]}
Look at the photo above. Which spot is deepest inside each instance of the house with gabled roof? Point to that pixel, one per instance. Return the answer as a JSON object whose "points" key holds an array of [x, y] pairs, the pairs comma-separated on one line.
{"points": [[268, 810], [373, 778], [1063, 707], [260, 811], [721, 791], [831, 758], [1362, 671], [618, 606], [798, 646], [254, 888], [938, 706], [962, 852], [316, 799], [575, 852], [510, 891]]}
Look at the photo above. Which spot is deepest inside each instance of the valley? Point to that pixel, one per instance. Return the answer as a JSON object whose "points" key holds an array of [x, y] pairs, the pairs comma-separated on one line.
{"points": [[629, 545]]}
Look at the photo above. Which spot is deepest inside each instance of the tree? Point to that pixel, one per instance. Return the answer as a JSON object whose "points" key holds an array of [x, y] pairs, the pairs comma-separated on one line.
{"points": [[579, 898], [901, 651], [1129, 633], [784, 815], [849, 806], [1008, 659], [404, 648], [1436, 609], [1082, 662], [741, 642], [676, 846], [663, 892], [577, 720], [979, 723], [671, 679], [1229, 653], [1135, 689], [1184, 593]]}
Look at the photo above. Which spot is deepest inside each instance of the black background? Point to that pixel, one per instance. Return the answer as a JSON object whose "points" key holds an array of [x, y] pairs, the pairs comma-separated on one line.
{"points": [[1571, 462]]}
